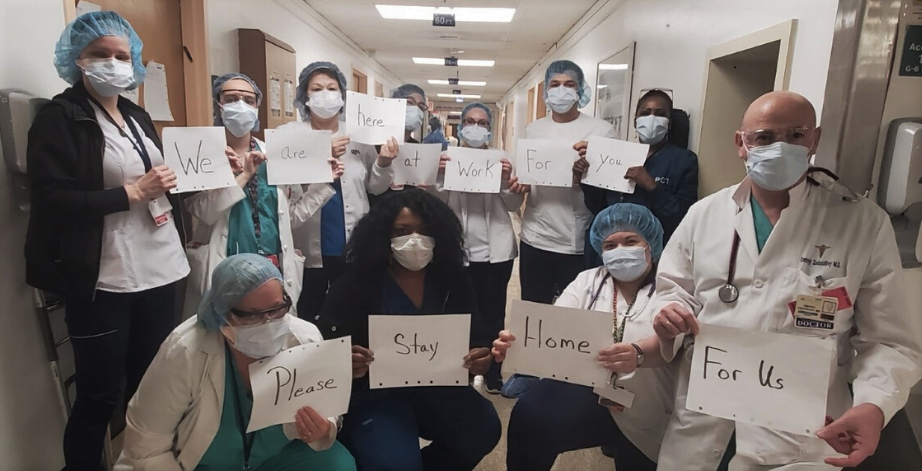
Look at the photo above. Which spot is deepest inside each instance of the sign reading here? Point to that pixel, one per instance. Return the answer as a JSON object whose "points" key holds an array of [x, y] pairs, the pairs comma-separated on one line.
{"points": [[772, 380], [197, 157], [298, 155], [474, 170], [417, 164], [545, 162], [609, 160], [418, 350], [372, 120]]}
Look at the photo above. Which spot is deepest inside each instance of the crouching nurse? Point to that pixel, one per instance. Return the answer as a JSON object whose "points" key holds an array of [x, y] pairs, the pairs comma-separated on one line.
{"points": [[192, 408]]}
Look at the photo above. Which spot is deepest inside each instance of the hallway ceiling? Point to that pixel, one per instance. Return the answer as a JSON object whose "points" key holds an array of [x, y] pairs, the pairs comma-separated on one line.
{"points": [[515, 46]]}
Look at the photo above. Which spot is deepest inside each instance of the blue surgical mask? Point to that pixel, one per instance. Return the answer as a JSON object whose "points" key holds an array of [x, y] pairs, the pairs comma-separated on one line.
{"points": [[777, 166], [239, 118], [414, 118], [651, 129], [475, 136], [562, 99], [626, 263]]}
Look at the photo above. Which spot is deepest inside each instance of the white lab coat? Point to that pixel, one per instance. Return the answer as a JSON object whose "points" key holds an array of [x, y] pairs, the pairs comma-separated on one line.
{"points": [[849, 245], [644, 423], [500, 233], [176, 412]]}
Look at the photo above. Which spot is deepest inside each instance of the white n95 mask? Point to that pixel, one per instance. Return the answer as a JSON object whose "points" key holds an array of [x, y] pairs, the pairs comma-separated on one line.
{"points": [[259, 341], [325, 103], [475, 136], [239, 118], [652, 129], [626, 263], [413, 251], [414, 118], [561, 99], [777, 166], [109, 77]]}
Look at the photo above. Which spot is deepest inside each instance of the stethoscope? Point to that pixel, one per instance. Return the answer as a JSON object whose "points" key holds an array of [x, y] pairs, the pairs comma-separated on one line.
{"points": [[598, 291], [729, 293]]}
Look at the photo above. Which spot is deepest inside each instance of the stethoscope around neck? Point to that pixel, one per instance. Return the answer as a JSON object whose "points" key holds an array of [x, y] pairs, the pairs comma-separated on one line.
{"points": [[598, 291]]}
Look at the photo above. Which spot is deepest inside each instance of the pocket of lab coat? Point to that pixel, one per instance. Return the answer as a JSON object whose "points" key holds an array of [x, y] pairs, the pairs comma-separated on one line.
{"points": [[795, 283]]}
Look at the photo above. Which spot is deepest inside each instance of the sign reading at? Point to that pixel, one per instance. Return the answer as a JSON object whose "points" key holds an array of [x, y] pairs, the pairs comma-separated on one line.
{"points": [[451, 61], [443, 19], [373, 120], [609, 160], [297, 154], [772, 380], [417, 164], [558, 343], [318, 375], [197, 156], [545, 162], [474, 170], [418, 350], [911, 63]]}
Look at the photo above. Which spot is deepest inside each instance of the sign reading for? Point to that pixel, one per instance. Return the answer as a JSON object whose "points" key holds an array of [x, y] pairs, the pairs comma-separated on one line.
{"points": [[372, 120], [609, 160], [417, 164], [197, 156], [297, 155], [545, 162], [418, 350], [911, 63], [772, 380], [474, 170]]}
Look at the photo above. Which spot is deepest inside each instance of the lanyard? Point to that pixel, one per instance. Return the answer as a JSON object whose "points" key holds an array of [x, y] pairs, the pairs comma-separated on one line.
{"points": [[618, 331], [252, 187], [137, 142], [248, 438]]}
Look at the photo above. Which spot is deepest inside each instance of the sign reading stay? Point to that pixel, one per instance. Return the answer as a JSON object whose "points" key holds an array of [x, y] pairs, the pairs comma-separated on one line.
{"points": [[418, 350]]}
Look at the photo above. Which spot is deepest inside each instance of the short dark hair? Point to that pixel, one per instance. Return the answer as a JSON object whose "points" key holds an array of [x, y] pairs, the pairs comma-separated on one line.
{"points": [[434, 122], [655, 93]]}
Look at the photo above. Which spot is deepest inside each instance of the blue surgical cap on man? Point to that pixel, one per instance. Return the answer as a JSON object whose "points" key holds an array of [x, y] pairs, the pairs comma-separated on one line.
{"points": [[405, 90], [570, 69], [301, 96], [234, 278], [216, 94], [88, 28], [627, 217], [472, 106]]}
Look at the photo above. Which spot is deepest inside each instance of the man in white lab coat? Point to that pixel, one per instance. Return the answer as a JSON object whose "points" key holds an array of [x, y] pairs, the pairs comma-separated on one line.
{"points": [[799, 233]]}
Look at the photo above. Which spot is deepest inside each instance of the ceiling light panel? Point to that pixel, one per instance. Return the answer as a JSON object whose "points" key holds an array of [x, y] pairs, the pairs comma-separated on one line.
{"points": [[462, 83], [449, 95], [482, 15], [461, 62], [612, 66]]}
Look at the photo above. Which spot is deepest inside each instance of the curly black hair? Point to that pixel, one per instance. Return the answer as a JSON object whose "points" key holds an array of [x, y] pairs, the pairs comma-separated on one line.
{"points": [[369, 249]]}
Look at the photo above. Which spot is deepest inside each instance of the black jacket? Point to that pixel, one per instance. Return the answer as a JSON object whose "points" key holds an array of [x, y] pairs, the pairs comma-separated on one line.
{"points": [[69, 199]]}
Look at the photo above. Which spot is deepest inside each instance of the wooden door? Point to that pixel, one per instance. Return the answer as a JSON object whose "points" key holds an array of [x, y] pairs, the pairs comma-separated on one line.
{"points": [[379, 89], [531, 106], [359, 82], [541, 110]]}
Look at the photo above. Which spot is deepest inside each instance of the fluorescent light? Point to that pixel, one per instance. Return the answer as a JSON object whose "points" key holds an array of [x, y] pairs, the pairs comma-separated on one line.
{"points": [[602, 86], [461, 83], [612, 66], [454, 113], [483, 15], [449, 95], [461, 62]]}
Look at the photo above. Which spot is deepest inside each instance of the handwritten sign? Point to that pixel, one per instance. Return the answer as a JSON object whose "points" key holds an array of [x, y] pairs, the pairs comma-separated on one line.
{"points": [[372, 120], [474, 170], [772, 380], [558, 343], [609, 160], [417, 164], [545, 162], [318, 375], [197, 157], [418, 350], [297, 154]]}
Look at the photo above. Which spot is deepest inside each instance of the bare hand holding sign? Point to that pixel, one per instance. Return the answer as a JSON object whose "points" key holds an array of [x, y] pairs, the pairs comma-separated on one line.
{"points": [[417, 164], [372, 120], [545, 162], [558, 343], [197, 157], [609, 160], [318, 375], [772, 380], [474, 170], [418, 350], [297, 155]]}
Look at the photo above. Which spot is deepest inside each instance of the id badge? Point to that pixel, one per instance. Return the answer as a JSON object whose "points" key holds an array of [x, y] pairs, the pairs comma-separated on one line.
{"points": [[815, 312], [614, 396], [160, 210]]}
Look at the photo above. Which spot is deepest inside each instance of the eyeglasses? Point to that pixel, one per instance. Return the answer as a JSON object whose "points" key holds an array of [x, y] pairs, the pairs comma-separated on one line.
{"points": [[482, 123], [233, 96], [422, 106], [801, 135], [261, 317]]}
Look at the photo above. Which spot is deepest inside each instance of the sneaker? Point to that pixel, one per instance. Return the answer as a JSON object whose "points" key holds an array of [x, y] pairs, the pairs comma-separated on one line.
{"points": [[492, 385], [517, 385]]}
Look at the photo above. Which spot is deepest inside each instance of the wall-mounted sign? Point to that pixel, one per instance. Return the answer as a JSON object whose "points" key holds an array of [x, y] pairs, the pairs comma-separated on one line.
{"points": [[443, 19], [911, 63], [456, 92], [451, 62], [452, 80]]}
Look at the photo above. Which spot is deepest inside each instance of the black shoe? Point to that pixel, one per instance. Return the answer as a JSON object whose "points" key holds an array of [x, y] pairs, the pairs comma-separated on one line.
{"points": [[492, 384]]}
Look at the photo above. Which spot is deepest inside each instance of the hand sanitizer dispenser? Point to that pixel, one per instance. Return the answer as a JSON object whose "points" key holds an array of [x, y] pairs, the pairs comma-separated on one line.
{"points": [[17, 110], [901, 186]]}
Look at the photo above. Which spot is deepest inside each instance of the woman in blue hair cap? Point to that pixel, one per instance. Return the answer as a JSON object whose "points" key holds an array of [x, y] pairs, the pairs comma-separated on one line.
{"points": [[192, 408], [552, 417], [102, 232]]}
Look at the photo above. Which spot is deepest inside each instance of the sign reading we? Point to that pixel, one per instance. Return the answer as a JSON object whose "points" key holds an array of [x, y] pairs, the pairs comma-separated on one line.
{"points": [[197, 157], [372, 120]]}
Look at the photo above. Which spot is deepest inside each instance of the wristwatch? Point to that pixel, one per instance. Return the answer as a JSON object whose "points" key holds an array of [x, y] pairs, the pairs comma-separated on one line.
{"points": [[639, 354]]}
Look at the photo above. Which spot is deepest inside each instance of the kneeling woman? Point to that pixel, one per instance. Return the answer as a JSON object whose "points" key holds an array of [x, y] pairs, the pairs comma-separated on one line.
{"points": [[553, 417], [406, 258], [193, 406]]}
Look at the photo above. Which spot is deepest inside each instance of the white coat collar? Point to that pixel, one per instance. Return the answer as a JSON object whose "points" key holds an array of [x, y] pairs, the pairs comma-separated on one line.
{"points": [[744, 223]]}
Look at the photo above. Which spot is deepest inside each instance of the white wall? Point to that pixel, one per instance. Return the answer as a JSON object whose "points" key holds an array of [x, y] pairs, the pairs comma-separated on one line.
{"points": [[295, 23], [31, 422]]}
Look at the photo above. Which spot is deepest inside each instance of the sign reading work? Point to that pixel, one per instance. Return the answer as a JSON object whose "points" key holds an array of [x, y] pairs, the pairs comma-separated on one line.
{"points": [[197, 157], [545, 162], [474, 170], [772, 380], [558, 343], [609, 160], [372, 120], [417, 164], [418, 350], [298, 155], [911, 62]]}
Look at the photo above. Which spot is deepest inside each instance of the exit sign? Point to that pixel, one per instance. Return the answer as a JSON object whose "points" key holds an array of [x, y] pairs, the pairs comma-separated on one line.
{"points": [[443, 19], [451, 61]]}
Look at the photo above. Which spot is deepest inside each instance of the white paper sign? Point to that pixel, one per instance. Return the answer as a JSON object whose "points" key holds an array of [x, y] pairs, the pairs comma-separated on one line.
{"points": [[609, 160], [545, 162], [318, 375], [418, 350], [558, 343], [156, 95], [197, 156], [474, 170], [372, 120], [772, 380], [417, 164], [297, 154]]}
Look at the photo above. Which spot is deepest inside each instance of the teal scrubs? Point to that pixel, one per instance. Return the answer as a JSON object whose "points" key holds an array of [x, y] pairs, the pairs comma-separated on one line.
{"points": [[241, 236], [762, 225]]}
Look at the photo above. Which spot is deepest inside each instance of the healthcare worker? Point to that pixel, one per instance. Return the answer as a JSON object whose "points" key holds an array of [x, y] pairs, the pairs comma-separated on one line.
{"points": [[744, 254], [102, 232], [552, 416], [436, 134], [320, 99], [417, 107], [488, 233], [251, 216]]}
